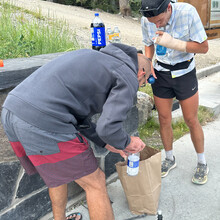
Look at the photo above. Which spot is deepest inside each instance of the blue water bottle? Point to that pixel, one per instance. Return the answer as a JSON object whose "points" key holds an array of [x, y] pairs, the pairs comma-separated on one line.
{"points": [[161, 50], [98, 33], [151, 79]]}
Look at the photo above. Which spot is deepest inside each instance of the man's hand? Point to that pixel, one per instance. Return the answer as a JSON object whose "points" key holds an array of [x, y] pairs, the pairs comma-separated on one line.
{"points": [[136, 145], [114, 150], [166, 40], [152, 71]]}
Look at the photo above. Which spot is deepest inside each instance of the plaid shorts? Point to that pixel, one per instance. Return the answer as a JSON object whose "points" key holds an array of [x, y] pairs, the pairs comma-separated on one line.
{"points": [[58, 158]]}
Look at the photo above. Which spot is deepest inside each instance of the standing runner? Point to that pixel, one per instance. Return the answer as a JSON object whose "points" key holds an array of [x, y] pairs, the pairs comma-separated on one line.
{"points": [[178, 28]]}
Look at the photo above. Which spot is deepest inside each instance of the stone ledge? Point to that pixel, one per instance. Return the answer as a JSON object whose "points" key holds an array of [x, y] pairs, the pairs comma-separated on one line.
{"points": [[16, 70]]}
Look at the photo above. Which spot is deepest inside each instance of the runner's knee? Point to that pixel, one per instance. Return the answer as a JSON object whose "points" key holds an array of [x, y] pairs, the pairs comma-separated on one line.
{"points": [[95, 181], [165, 119], [191, 122], [99, 181]]}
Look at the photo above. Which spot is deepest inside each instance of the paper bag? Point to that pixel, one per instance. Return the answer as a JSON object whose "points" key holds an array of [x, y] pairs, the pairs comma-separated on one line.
{"points": [[142, 191]]}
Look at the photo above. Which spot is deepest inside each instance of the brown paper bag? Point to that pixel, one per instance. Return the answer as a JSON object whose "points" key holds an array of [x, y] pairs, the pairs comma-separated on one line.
{"points": [[142, 191]]}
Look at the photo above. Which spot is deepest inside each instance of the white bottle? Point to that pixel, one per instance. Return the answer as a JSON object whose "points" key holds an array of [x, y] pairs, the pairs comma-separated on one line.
{"points": [[109, 35], [117, 35], [133, 164]]}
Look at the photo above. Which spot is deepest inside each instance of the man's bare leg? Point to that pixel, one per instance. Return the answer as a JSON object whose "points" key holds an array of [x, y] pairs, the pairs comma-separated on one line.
{"points": [[190, 113], [58, 196], [164, 108], [97, 197]]}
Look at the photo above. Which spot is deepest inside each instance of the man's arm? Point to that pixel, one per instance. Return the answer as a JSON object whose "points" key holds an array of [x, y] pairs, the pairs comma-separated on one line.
{"points": [[166, 40], [194, 47], [149, 53]]}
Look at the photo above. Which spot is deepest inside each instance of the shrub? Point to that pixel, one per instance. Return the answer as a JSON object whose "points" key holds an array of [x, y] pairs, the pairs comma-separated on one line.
{"points": [[24, 34]]}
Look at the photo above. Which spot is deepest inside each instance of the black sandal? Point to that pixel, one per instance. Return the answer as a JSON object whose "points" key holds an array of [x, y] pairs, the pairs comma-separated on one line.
{"points": [[72, 217]]}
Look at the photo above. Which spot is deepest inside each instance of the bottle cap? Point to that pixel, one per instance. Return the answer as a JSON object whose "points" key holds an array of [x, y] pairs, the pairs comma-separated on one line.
{"points": [[96, 14], [1, 63], [159, 212]]}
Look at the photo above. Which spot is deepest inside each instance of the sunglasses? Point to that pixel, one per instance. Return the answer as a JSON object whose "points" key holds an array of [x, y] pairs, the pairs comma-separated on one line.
{"points": [[154, 11]]}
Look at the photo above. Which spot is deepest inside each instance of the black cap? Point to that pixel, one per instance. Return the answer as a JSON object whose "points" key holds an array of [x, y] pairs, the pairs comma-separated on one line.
{"points": [[153, 8]]}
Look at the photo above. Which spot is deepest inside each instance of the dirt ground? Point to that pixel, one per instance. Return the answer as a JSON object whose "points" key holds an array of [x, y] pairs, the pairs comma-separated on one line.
{"points": [[79, 20]]}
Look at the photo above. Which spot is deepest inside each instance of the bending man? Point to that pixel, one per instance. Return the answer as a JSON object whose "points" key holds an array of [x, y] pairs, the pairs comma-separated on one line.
{"points": [[48, 116]]}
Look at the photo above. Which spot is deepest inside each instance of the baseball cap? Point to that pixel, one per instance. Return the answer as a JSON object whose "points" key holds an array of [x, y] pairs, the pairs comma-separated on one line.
{"points": [[153, 8]]}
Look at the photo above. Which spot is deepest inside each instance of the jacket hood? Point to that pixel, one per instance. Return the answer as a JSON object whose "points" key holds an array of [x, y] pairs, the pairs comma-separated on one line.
{"points": [[125, 53]]}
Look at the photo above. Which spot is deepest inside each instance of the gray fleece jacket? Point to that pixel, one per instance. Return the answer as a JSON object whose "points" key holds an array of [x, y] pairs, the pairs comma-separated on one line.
{"points": [[64, 94]]}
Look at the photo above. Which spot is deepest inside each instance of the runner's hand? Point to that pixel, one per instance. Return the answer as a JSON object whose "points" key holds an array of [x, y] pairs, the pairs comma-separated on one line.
{"points": [[136, 145]]}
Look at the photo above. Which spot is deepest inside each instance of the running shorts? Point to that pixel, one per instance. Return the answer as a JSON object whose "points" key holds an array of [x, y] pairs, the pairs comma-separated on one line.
{"points": [[58, 158], [182, 87]]}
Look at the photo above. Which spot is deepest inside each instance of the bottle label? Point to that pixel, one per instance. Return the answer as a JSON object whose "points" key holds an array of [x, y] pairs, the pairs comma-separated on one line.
{"points": [[116, 34], [110, 36], [160, 50], [98, 36], [133, 165]]}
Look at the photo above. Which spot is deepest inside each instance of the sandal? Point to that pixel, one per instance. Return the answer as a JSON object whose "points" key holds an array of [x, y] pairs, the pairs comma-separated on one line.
{"points": [[73, 216]]}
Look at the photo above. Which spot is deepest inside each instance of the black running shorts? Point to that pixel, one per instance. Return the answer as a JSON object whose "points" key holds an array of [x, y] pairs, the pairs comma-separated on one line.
{"points": [[181, 87]]}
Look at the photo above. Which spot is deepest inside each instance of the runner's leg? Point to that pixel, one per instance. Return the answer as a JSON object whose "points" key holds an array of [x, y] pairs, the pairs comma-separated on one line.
{"points": [[190, 113], [58, 196], [164, 108], [97, 197]]}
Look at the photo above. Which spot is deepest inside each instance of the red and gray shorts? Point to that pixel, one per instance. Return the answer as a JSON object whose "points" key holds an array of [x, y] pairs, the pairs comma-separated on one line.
{"points": [[58, 158]]}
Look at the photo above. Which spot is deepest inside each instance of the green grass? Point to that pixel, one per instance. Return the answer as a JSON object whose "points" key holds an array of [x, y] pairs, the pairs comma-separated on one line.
{"points": [[150, 133], [147, 89], [24, 33]]}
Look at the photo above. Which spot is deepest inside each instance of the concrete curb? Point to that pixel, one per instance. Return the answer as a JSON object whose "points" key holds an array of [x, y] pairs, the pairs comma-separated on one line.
{"points": [[208, 71]]}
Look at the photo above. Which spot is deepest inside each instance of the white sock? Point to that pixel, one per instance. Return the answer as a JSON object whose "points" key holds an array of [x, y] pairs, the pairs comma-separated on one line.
{"points": [[201, 158], [169, 154]]}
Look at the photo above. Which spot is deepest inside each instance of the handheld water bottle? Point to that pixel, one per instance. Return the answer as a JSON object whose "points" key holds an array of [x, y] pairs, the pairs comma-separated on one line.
{"points": [[151, 79], [160, 50]]}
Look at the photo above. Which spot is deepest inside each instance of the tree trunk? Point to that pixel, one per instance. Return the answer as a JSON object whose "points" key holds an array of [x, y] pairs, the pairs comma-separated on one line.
{"points": [[125, 8]]}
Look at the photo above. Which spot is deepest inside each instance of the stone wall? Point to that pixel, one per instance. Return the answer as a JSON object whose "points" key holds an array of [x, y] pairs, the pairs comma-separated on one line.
{"points": [[26, 197]]}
